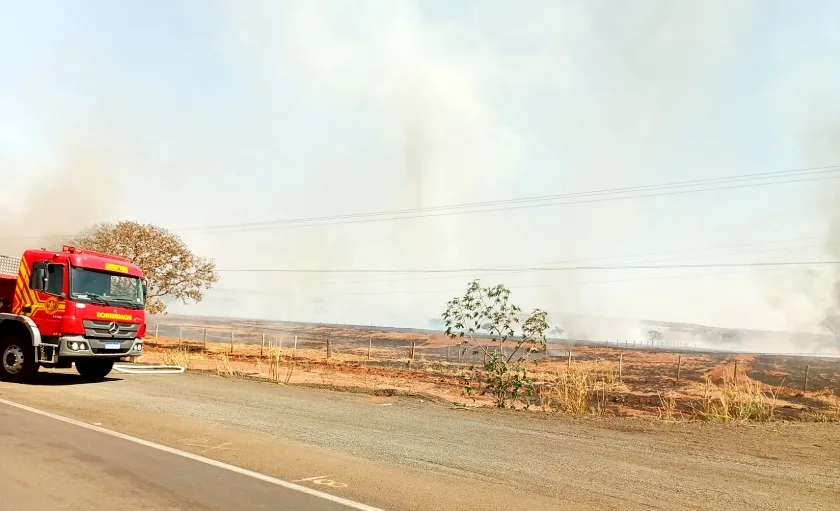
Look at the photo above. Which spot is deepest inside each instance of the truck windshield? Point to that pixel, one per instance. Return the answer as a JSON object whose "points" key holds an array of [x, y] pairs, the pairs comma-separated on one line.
{"points": [[106, 288]]}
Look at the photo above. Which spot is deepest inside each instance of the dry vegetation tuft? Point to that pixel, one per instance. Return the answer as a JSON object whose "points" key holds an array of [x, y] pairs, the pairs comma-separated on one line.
{"points": [[224, 366], [830, 414], [668, 409], [581, 388], [180, 357], [736, 400]]}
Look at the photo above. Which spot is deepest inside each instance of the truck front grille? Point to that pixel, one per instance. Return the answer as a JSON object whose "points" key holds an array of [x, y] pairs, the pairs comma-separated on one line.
{"points": [[110, 329]]}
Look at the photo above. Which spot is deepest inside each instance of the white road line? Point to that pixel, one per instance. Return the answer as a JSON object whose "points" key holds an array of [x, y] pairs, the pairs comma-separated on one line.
{"points": [[256, 475]]}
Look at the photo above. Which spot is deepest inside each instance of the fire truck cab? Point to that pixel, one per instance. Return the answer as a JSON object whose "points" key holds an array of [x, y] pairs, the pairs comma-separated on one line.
{"points": [[73, 307]]}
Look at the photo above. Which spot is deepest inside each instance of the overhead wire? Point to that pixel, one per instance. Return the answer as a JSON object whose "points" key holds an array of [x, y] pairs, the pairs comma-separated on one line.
{"points": [[526, 286], [449, 277], [542, 269], [810, 174], [528, 202], [515, 269]]}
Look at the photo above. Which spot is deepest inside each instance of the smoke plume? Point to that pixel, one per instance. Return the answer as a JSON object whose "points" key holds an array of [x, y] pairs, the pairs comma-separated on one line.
{"points": [[73, 192]]}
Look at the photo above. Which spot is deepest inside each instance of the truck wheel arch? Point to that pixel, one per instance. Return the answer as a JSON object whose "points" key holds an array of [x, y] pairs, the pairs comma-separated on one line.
{"points": [[20, 325]]}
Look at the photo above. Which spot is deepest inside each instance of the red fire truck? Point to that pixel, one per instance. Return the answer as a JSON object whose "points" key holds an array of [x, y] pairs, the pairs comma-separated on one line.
{"points": [[71, 307]]}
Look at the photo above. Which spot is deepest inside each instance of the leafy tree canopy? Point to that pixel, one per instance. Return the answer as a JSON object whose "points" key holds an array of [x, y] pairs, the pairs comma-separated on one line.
{"points": [[170, 268]]}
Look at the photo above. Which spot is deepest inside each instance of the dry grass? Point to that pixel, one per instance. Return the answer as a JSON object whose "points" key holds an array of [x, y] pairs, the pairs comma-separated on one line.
{"points": [[274, 358], [668, 409], [279, 370], [736, 400], [180, 357], [224, 366], [582, 388], [824, 393], [830, 414]]}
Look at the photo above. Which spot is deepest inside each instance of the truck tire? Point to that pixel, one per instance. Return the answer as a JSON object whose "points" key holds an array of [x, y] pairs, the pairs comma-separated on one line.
{"points": [[17, 359], [94, 370]]}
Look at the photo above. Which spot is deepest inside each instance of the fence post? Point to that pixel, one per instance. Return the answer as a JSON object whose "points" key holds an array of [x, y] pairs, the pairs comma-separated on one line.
{"points": [[735, 372], [231, 341], [329, 348], [294, 349], [262, 345], [679, 367], [805, 387], [370, 345], [570, 359], [411, 353], [205, 339], [157, 326]]}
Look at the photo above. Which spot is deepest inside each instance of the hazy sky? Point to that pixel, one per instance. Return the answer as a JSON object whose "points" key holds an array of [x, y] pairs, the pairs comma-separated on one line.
{"points": [[195, 114]]}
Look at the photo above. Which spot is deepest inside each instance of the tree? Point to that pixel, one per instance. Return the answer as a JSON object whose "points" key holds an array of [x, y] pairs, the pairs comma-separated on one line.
{"points": [[170, 268], [654, 335], [486, 313]]}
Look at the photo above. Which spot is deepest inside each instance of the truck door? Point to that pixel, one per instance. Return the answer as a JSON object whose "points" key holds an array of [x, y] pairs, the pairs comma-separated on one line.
{"points": [[45, 302]]}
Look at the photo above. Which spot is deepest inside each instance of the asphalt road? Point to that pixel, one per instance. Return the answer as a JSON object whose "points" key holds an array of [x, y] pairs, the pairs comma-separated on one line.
{"points": [[47, 464], [410, 454]]}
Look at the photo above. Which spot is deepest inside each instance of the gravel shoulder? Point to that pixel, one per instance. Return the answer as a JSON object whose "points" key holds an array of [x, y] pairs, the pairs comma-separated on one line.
{"points": [[405, 453]]}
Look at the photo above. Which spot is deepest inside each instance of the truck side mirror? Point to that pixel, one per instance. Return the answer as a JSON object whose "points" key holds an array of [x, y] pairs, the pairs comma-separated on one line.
{"points": [[39, 279]]}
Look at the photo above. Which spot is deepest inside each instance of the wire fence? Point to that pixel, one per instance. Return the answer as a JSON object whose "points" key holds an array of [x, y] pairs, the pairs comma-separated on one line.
{"points": [[642, 361], [380, 349], [337, 340]]}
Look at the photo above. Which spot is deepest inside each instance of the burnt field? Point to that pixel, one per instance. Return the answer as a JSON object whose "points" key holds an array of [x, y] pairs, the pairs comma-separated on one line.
{"points": [[433, 346], [617, 378]]}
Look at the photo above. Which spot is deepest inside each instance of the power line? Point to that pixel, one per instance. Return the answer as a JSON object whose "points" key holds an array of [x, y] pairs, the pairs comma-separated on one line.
{"points": [[528, 202], [527, 286], [515, 269], [811, 174], [635, 279], [541, 269]]}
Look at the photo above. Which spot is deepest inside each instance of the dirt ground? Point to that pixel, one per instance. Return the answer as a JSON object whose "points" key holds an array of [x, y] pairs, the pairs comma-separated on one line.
{"points": [[407, 453], [621, 382]]}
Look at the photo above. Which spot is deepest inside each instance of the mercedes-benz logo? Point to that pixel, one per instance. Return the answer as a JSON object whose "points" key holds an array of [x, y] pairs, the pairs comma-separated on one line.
{"points": [[113, 328]]}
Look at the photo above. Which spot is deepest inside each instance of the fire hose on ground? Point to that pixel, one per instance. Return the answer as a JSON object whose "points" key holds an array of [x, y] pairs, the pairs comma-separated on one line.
{"points": [[148, 369]]}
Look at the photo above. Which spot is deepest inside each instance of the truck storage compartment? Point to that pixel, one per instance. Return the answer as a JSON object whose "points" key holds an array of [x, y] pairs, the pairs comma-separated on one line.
{"points": [[8, 278], [9, 267]]}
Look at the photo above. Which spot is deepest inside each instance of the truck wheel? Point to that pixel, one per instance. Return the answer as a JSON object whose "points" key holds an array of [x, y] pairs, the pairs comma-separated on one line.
{"points": [[94, 369], [18, 359]]}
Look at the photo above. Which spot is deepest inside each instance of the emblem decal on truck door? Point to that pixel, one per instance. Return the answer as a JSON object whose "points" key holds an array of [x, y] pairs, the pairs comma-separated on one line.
{"points": [[51, 306]]}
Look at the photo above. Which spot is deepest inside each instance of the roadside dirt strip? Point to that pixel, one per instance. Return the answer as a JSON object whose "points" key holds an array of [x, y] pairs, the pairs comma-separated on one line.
{"points": [[410, 454]]}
